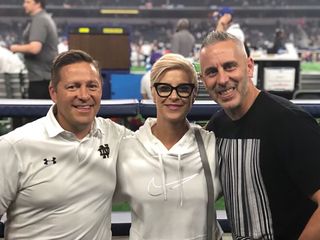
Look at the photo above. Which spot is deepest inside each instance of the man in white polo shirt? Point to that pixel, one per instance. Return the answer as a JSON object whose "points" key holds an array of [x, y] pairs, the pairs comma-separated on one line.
{"points": [[57, 174]]}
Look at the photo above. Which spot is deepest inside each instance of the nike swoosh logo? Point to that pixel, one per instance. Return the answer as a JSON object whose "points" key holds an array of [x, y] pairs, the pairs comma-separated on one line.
{"points": [[156, 190]]}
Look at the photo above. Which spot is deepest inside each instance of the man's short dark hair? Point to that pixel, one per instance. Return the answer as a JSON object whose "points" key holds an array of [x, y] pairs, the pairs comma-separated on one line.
{"points": [[67, 58], [42, 3]]}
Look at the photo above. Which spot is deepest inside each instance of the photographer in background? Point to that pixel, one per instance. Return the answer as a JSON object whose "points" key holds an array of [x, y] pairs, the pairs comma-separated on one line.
{"points": [[224, 23]]}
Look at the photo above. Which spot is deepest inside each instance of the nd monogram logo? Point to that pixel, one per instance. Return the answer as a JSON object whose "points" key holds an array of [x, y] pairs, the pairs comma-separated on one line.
{"points": [[104, 150], [49, 162]]}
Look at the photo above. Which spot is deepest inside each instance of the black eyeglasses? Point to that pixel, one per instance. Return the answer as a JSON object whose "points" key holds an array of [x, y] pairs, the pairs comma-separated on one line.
{"points": [[165, 89]]}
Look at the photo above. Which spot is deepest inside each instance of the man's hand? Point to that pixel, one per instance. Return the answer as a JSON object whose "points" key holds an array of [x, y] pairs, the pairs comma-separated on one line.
{"points": [[32, 47], [13, 48]]}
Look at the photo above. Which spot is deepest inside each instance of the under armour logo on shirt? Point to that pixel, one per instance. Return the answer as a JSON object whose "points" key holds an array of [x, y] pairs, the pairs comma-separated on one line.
{"points": [[104, 150], [49, 162]]}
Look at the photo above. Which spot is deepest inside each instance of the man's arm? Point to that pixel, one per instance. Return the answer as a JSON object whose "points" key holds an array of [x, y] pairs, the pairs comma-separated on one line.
{"points": [[9, 175], [223, 22], [312, 229], [32, 47]]}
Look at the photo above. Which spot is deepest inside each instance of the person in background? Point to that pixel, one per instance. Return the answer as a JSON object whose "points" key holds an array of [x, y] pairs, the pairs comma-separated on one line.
{"points": [[40, 47], [63, 44], [159, 169], [145, 86], [182, 40], [12, 75], [278, 42], [267, 148], [9, 62], [57, 174], [224, 23]]}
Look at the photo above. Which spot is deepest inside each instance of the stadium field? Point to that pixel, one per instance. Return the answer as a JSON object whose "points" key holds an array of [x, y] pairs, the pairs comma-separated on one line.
{"points": [[308, 67]]}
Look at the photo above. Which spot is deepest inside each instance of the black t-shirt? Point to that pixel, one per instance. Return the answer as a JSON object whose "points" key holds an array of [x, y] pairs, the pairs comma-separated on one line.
{"points": [[270, 163]]}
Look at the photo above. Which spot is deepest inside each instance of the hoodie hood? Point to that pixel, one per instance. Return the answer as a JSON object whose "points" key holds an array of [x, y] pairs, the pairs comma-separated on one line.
{"points": [[184, 147], [168, 159]]}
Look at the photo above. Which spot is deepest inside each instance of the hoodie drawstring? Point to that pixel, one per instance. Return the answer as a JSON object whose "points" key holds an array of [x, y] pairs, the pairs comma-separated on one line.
{"points": [[180, 180], [163, 177]]}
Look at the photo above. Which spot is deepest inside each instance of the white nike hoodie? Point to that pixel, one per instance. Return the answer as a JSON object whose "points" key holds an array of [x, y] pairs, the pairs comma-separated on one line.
{"points": [[166, 189]]}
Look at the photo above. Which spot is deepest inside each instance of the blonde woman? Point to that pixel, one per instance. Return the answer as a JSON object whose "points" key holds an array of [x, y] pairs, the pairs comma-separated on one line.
{"points": [[159, 170]]}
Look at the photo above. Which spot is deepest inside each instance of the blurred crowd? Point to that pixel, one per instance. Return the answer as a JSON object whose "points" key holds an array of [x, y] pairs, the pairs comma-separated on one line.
{"points": [[303, 34], [166, 3]]}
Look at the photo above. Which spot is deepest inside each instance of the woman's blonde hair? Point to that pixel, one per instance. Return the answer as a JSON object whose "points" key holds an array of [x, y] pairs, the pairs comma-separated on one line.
{"points": [[173, 61]]}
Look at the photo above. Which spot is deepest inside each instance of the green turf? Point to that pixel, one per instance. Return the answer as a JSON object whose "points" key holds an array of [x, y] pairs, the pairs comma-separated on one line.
{"points": [[120, 207], [220, 204], [310, 67], [135, 69], [124, 207]]}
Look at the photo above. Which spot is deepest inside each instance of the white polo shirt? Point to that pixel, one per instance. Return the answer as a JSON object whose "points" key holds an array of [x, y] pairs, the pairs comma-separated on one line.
{"points": [[54, 186]]}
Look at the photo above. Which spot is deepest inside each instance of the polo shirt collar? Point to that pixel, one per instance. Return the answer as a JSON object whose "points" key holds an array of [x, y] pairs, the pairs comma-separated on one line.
{"points": [[54, 129]]}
